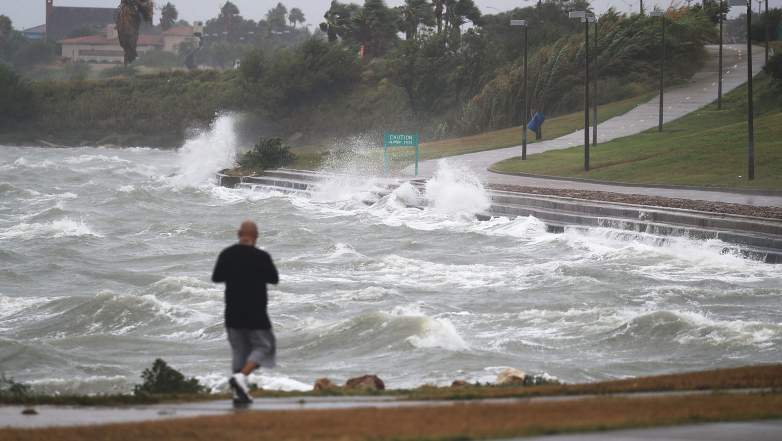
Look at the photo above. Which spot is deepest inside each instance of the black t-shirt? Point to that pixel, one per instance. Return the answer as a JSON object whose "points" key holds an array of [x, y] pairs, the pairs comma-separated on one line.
{"points": [[245, 270]]}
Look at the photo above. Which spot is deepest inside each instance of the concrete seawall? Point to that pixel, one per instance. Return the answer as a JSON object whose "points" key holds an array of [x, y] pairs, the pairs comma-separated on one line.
{"points": [[751, 237]]}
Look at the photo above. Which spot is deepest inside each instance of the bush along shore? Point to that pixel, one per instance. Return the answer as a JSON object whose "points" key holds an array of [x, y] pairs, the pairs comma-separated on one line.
{"points": [[164, 384], [441, 80]]}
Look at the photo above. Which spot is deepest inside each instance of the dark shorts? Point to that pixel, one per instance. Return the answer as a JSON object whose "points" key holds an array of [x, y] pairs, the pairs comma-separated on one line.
{"points": [[256, 345]]}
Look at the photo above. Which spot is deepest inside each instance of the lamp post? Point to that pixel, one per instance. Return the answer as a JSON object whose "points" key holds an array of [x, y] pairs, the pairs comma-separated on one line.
{"points": [[586, 19], [661, 14], [765, 22], [750, 103], [719, 68], [523, 23], [750, 100], [594, 92]]}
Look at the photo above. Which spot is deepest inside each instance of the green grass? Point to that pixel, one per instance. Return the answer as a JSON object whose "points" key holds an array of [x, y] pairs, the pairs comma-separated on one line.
{"points": [[311, 157], [705, 148], [553, 128]]}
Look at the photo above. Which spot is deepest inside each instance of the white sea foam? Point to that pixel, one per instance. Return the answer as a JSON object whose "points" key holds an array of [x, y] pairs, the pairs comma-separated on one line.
{"points": [[435, 332], [218, 382], [455, 190], [208, 152], [65, 227], [82, 159], [24, 162]]}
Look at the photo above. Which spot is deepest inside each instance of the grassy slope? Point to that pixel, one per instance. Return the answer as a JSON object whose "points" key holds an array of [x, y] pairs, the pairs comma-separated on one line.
{"points": [[705, 148], [311, 157], [553, 128]]}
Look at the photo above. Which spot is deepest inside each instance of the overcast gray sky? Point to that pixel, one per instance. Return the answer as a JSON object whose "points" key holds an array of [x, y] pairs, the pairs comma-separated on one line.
{"points": [[28, 13]]}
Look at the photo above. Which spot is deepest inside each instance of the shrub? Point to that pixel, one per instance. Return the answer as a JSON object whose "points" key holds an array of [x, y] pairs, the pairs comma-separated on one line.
{"points": [[269, 153], [160, 59], [16, 97], [774, 66], [163, 379], [118, 71]]}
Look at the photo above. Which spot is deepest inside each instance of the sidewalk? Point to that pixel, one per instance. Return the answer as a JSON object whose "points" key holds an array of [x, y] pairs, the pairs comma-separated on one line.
{"points": [[679, 101]]}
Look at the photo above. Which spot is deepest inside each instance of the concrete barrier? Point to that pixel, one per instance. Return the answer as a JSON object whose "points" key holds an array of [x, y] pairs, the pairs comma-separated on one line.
{"points": [[755, 238]]}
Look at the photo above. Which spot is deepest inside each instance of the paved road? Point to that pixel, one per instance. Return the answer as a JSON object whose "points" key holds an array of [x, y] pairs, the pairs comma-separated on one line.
{"points": [[679, 101], [63, 416], [754, 431]]}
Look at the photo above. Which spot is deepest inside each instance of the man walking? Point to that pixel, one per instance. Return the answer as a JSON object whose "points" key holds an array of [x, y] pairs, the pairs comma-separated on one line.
{"points": [[246, 270]]}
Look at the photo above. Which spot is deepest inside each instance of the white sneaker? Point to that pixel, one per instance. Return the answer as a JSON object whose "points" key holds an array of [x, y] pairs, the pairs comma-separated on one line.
{"points": [[238, 383]]}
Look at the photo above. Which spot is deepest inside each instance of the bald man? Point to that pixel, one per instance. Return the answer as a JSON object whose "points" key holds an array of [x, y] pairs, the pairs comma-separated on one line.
{"points": [[246, 270]]}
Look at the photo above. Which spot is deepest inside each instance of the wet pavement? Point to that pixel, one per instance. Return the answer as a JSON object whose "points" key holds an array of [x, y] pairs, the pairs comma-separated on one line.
{"points": [[679, 101], [65, 416]]}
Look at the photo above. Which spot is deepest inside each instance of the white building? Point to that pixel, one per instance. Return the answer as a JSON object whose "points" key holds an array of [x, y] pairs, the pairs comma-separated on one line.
{"points": [[105, 48]]}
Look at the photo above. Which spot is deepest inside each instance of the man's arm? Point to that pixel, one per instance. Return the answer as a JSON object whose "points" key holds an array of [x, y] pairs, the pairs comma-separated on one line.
{"points": [[218, 275], [272, 276]]}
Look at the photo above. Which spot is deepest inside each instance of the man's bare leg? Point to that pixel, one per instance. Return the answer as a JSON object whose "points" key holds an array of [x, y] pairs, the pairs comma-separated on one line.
{"points": [[248, 368]]}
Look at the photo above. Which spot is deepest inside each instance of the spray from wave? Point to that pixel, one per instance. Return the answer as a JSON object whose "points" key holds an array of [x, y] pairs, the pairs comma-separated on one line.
{"points": [[208, 152]]}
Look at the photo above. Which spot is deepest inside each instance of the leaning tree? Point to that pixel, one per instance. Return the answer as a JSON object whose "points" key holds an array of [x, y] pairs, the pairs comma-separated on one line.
{"points": [[129, 17]]}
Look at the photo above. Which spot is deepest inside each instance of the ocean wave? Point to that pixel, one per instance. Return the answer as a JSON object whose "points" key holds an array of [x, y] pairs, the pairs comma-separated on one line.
{"points": [[83, 159], [398, 328], [25, 163], [108, 313], [64, 227], [616, 327], [434, 332]]}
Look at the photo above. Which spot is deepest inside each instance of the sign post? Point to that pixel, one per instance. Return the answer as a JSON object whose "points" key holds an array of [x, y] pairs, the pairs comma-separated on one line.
{"points": [[401, 140]]}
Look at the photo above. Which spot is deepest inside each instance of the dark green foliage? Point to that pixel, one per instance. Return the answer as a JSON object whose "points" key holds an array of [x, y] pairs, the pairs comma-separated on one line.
{"points": [[372, 26], [160, 59], [774, 67], [772, 21], [34, 53], [168, 16], [16, 97], [163, 379], [12, 390], [119, 71], [627, 63], [268, 153], [291, 77], [165, 104]]}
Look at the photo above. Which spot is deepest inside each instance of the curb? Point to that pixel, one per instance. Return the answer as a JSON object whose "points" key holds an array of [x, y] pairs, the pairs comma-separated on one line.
{"points": [[747, 191]]}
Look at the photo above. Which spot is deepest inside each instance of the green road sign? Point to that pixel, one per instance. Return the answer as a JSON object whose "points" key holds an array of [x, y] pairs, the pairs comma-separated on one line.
{"points": [[400, 140], [409, 140]]}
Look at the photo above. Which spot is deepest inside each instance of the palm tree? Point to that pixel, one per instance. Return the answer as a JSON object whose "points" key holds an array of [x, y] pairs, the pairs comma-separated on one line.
{"points": [[296, 16], [339, 20], [168, 16], [131, 12], [414, 14], [276, 17]]}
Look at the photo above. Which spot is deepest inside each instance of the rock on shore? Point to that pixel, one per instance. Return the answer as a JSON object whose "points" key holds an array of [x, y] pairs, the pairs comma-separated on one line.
{"points": [[366, 382], [324, 384]]}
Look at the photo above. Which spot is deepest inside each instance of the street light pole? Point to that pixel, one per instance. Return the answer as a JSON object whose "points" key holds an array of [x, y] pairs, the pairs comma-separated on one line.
{"points": [[586, 96], [661, 14], [765, 22], [523, 23], [586, 18], [719, 75], [750, 108], [594, 93]]}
